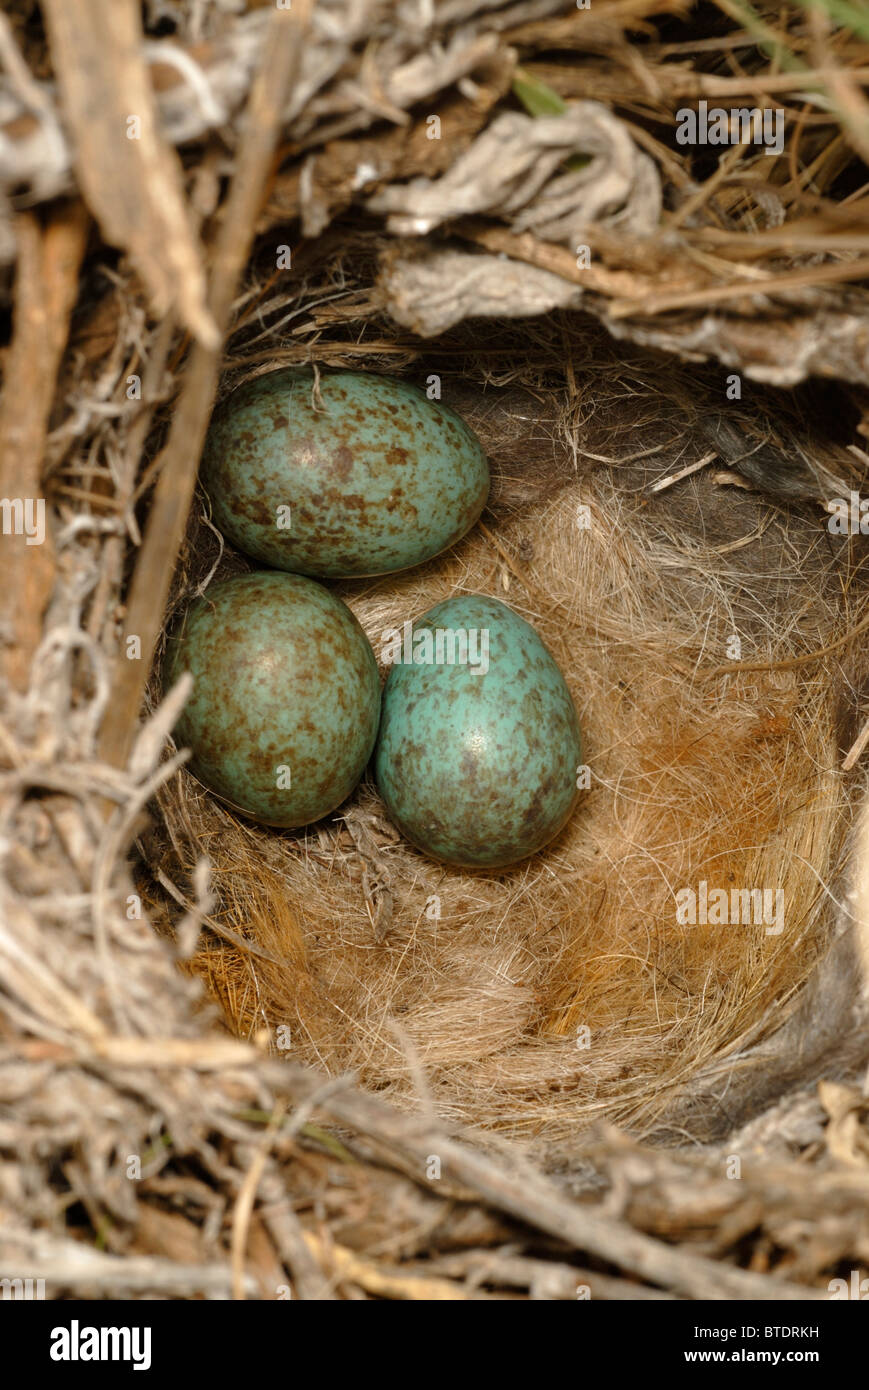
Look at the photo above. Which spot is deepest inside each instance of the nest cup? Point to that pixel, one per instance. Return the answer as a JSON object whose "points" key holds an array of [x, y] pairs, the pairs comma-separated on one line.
{"points": [[661, 941]]}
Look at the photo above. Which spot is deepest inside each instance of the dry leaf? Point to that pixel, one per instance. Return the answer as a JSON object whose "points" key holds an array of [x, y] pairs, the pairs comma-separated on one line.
{"points": [[129, 176]]}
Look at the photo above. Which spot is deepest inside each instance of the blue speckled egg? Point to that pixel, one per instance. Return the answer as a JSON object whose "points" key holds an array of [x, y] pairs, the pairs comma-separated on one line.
{"points": [[362, 477], [286, 696], [476, 758]]}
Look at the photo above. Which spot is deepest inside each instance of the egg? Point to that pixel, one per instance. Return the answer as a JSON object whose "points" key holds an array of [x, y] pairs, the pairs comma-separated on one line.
{"points": [[362, 476], [286, 696], [479, 743]]}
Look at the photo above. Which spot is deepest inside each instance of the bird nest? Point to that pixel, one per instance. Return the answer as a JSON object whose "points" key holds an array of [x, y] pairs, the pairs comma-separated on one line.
{"points": [[214, 1030]]}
